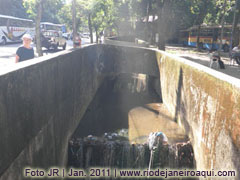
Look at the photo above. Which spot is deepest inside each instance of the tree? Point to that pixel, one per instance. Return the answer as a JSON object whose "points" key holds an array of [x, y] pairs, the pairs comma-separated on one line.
{"points": [[164, 14], [200, 9], [50, 7], [83, 13], [85, 7], [65, 15], [42, 10], [223, 14], [74, 20], [13, 8], [235, 33], [34, 9]]}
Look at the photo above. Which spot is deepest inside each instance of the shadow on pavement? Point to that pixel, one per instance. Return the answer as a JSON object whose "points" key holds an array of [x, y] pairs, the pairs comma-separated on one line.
{"points": [[232, 70]]}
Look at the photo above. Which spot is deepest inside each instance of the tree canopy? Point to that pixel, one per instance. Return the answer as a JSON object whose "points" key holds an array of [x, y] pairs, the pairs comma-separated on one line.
{"points": [[126, 16], [50, 7]]}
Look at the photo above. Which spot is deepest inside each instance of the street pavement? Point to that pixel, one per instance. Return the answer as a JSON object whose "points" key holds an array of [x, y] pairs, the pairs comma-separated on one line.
{"points": [[8, 52]]}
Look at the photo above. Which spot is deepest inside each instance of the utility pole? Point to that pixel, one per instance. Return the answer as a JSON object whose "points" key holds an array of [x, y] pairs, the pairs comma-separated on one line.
{"points": [[74, 20]]}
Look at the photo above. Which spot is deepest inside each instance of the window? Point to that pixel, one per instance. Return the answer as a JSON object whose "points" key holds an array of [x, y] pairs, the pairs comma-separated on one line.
{"points": [[3, 21]]}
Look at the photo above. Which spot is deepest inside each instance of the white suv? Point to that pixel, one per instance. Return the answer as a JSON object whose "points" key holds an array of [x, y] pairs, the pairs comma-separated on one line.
{"points": [[53, 39]]}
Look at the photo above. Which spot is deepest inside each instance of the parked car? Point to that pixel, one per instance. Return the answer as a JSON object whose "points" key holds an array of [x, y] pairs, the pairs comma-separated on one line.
{"points": [[53, 39], [82, 35], [66, 36], [85, 35]]}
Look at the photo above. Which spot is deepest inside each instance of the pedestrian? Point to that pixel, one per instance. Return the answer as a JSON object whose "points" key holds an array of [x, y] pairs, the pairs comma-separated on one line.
{"points": [[235, 55], [236, 49], [78, 41], [25, 51]]}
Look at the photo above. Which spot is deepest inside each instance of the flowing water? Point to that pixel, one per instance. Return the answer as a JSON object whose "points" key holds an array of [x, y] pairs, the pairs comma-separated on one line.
{"points": [[114, 151], [132, 103]]}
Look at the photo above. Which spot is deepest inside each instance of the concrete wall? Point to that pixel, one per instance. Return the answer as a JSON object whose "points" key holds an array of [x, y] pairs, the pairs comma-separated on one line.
{"points": [[207, 104], [117, 42], [43, 100], [116, 97]]}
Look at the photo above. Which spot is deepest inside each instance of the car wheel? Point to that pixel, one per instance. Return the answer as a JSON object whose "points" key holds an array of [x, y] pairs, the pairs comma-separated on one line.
{"points": [[55, 47], [64, 46]]}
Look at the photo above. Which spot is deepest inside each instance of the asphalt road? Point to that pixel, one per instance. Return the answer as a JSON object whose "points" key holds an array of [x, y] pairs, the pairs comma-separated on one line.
{"points": [[7, 52]]}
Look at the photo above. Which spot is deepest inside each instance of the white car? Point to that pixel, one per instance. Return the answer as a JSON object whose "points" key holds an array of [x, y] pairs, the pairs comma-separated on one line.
{"points": [[66, 35], [85, 35]]}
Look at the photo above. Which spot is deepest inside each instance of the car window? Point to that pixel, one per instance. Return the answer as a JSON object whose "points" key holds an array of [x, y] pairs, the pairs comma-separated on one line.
{"points": [[56, 34]]}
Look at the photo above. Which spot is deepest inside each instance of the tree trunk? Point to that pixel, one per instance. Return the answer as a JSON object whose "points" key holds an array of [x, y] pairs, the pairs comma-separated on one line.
{"points": [[37, 27], [96, 35], [164, 12], [202, 14], [222, 26], [153, 33], [199, 45], [74, 20], [160, 43], [90, 27], [235, 37], [147, 25]]}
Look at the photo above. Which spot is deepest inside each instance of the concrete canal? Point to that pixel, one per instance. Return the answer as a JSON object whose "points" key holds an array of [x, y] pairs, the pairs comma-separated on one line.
{"points": [[52, 103]]}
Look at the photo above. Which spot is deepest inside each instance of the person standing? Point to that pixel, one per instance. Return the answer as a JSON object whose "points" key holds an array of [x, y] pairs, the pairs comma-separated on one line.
{"points": [[235, 55], [78, 41], [25, 51]]}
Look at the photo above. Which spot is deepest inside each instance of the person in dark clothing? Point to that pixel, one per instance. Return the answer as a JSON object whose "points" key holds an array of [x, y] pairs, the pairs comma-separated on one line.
{"points": [[25, 51]]}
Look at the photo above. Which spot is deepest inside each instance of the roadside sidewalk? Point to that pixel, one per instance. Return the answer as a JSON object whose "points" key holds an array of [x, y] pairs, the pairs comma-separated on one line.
{"points": [[203, 58]]}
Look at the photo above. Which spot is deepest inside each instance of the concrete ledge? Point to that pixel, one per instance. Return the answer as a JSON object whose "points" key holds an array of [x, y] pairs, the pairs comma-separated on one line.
{"points": [[137, 43]]}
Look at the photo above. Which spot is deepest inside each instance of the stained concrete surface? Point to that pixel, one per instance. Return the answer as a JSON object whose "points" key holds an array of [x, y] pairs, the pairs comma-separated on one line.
{"points": [[42, 103], [206, 103], [153, 117], [117, 95]]}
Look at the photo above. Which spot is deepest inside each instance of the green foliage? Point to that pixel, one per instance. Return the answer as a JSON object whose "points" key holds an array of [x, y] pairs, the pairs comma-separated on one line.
{"points": [[183, 16], [216, 12], [30, 6], [65, 16], [50, 9], [103, 14], [199, 9], [13, 8], [110, 13]]}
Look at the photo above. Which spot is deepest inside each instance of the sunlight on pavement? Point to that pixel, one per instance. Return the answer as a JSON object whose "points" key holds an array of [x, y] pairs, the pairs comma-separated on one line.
{"points": [[8, 52]]}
